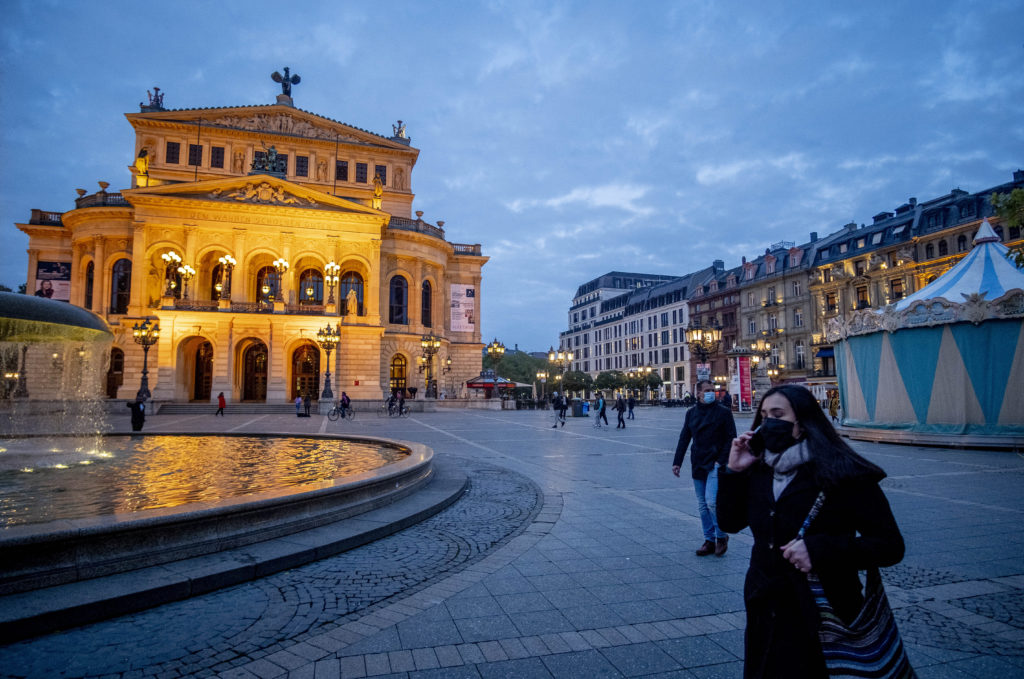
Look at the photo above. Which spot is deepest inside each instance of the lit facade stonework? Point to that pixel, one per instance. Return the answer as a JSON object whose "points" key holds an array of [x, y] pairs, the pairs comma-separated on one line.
{"points": [[266, 186]]}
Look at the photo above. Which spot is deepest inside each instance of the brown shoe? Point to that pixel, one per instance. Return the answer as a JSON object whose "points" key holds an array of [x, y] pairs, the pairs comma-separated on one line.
{"points": [[707, 548], [721, 544]]}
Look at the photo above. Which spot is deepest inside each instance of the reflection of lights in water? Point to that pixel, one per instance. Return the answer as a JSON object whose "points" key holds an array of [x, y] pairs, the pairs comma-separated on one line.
{"points": [[60, 466], [27, 469], [85, 462]]}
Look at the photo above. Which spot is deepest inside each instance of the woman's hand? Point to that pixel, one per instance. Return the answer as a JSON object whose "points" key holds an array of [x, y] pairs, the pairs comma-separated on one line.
{"points": [[795, 551], [740, 455]]}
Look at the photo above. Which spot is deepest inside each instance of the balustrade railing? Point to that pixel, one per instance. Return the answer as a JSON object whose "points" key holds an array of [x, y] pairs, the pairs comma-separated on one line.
{"points": [[467, 249], [47, 218], [305, 309], [101, 199]]}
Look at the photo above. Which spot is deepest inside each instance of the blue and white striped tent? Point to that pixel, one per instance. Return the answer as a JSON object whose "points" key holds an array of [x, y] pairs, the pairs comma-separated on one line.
{"points": [[948, 359]]}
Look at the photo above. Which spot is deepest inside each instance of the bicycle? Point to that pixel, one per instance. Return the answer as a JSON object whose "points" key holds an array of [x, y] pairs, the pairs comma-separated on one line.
{"points": [[336, 412]]}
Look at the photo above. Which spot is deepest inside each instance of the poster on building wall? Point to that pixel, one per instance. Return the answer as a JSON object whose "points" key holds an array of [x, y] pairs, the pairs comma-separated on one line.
{"points": [[463, 308], [703, 371], [53, 280]]}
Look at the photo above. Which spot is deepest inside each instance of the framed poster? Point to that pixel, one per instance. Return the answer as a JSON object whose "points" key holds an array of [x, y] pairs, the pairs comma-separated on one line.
{"points": [[463, 308], [53, 280]]}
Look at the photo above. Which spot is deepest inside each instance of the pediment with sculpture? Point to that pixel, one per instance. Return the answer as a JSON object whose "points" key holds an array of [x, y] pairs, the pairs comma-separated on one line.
{"points": [[261, 192], [286, 124]]}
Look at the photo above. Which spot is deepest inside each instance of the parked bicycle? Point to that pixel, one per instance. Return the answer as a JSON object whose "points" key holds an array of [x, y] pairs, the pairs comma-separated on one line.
{"points": [[337, 411]]}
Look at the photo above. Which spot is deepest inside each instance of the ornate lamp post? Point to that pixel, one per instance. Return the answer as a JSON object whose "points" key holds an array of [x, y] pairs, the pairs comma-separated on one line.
{"points": [[171, 261], [328, 338], [561, 360], [703, 341], [145, 335], [431, 344], [282, 267], [331, 279], [227, 263], [542, 376], [186, 272]]}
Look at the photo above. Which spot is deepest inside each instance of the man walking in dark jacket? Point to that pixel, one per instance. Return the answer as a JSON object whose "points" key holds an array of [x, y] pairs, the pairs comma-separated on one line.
{"points": [[709, 425]]}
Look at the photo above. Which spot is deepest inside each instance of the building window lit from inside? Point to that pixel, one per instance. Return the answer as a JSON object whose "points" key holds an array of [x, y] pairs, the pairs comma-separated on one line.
{"points": [[349, 282], [311, 287], [399, 370]]}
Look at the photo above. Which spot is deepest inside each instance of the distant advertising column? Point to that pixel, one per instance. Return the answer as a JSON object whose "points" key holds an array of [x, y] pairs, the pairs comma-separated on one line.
{"points": [[746, 389]]}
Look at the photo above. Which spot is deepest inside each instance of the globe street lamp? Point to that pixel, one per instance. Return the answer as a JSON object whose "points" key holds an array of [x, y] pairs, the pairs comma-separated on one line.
{"points": [[496, 350], [328, 338], [430, 344], [186, 272], [331, 279], [227, 263], [171, 261], [561, 360], [542, 376], [282, 267], [145, 335]]}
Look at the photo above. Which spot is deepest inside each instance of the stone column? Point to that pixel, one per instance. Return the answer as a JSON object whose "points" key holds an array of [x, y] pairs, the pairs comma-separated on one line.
{"points": [[139, 301], [101, 277]]}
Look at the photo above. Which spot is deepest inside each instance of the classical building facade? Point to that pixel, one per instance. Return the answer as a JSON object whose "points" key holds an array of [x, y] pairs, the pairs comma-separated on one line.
{"points": [[783, 298], [246, 231]]}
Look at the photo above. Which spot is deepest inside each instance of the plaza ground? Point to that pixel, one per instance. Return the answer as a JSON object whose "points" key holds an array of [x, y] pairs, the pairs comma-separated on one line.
{"points": [[570, 555]]}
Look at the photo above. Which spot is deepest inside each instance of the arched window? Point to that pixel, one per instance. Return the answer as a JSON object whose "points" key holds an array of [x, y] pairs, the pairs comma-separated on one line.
{"points": [[90, 275], [943, 248], [120, 286], [215, 280], [267, 276], [961, 243], [311, 287], [425, 301], [349, 282], [398, 372], [929, 251], [398, 301]]}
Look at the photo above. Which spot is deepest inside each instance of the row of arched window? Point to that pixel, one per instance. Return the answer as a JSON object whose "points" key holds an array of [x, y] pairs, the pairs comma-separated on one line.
{"points": [[311, 290]]}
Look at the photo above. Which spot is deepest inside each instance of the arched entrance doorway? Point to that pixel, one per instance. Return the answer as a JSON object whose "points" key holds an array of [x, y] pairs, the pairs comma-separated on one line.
{"points": [[306, 372], [115, 373], [255, 362], [397, 380], [203, 378]]}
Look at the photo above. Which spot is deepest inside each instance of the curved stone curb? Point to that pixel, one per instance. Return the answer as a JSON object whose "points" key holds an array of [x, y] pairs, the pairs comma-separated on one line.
{"points": [[45, 610]]}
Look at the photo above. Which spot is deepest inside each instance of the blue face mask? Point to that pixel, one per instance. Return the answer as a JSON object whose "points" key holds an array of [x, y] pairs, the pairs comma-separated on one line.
{"points": [[709, 397]]}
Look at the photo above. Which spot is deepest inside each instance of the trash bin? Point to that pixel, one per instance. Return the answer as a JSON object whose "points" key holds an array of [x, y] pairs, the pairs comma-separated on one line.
{"points": [[586, 409], [577, 408]]}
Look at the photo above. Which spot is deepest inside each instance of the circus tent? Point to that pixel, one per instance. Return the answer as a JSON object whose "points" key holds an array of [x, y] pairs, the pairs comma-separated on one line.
{"points": [[947, 360]]}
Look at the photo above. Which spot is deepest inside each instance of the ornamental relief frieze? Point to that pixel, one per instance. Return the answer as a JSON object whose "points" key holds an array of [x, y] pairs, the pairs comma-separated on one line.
{"points": [[264, 192], [285, 124]]}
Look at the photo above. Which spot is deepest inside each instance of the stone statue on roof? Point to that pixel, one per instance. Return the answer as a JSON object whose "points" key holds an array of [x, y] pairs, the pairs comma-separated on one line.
{"points": [[286, 81], [399, 130]]}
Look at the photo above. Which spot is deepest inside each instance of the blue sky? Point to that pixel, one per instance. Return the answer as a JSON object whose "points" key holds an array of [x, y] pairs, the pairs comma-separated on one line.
{"points": [[568, 138]]}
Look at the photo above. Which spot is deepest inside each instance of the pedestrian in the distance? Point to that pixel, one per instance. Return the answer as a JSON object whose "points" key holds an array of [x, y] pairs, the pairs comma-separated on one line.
{"points": [[556, 406], [298, 406], [307, 401], [620, 407], [221, 403], [138, 408], [833, 406], [709, 425], [602, 411], [631, 403]]}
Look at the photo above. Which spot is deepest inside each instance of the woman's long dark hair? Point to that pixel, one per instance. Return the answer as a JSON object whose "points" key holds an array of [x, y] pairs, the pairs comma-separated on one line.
{"points": [[833, 459]]}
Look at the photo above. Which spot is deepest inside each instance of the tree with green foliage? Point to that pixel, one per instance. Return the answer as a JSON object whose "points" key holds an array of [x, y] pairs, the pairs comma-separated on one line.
{"points": [[1010, 208], [610, 379], [575, 380]]}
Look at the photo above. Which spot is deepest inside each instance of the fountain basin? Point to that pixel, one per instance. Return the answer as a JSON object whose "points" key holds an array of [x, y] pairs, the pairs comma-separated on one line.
{"points": [[34, 556]]}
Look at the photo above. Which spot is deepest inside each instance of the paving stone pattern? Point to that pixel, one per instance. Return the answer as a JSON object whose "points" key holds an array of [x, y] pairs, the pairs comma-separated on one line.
{"points": [[570, 556]]}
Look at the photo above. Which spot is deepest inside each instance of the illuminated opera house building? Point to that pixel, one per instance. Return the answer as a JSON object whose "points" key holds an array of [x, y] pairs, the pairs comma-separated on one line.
{"points": [[260, 239]]}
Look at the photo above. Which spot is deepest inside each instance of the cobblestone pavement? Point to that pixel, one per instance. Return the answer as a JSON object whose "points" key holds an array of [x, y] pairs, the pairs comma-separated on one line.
{"points": [[572, 555]]}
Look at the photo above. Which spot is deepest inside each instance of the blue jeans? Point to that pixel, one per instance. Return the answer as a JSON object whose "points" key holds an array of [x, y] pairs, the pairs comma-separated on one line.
{"points": [[707, 493]]}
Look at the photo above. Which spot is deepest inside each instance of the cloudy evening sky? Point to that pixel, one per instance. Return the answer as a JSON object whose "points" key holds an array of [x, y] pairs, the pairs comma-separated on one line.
{"points": [[568, 138]]}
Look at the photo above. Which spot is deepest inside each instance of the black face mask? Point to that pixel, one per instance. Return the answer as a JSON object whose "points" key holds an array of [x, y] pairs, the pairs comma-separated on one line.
{"points": [[777, 434]]}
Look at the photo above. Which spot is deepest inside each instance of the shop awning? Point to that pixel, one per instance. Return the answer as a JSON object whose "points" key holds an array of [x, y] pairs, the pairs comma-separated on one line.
{"points": [[827, 352]]}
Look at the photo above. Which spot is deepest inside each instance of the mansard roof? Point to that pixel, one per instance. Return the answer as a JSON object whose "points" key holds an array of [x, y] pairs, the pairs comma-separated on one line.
{"points": [[623, 281]]}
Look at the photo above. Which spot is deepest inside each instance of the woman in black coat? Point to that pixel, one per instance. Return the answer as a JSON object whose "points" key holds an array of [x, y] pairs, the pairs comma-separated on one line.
{"points": [[771, 490]]}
